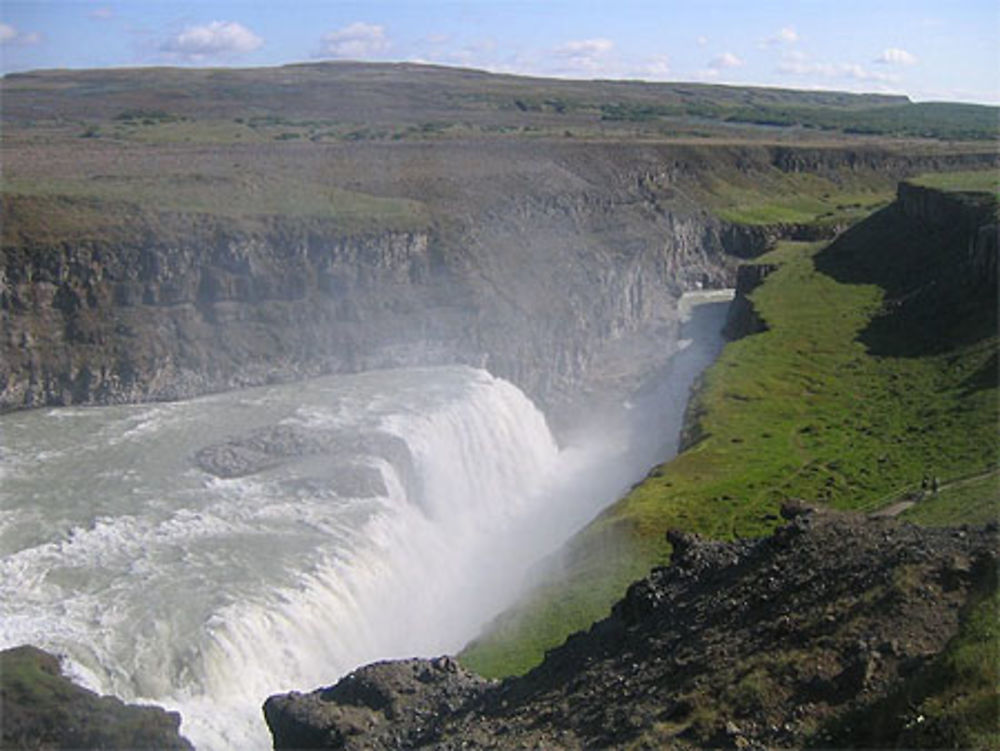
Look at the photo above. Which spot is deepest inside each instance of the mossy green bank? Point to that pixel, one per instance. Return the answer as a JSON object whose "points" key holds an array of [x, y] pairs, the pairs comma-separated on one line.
{"points": [[812, 408]]}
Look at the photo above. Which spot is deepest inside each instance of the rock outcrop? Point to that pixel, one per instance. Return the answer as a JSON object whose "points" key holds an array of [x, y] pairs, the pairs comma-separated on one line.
{"points": [[780, 642], [742, 319], [935, 299], [41, 709], [388, 705]]}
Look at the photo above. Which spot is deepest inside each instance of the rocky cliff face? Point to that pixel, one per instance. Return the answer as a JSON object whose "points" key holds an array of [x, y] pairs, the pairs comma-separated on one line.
{"points": [[742, 318], [935, 299], [208, 305], [796, 640], [41, 709], [179, 305], [973, 215]]}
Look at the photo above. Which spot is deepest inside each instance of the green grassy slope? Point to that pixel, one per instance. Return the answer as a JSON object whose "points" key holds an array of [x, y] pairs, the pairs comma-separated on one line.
{"points": [[231, 196], [811, 408], [982, 181], [778, 197]]}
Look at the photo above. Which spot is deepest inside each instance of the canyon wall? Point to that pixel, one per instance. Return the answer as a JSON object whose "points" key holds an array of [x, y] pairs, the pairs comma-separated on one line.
{"points": [[972, 214], [185, 304], [557, 269]]}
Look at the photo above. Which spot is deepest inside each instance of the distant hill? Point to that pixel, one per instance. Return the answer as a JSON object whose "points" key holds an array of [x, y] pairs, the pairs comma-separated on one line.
{"points": [[323, 95]]}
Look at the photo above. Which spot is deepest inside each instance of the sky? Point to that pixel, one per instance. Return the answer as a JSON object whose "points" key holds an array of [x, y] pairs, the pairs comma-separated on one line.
{"points": [[940, 50]]}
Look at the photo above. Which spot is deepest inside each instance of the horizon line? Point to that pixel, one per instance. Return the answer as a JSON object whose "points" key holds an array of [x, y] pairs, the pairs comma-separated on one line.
{"points": [[486, 71]]}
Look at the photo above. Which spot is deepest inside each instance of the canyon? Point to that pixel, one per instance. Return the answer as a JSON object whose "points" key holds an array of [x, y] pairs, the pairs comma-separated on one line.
{"points": [[553, 271], [174, 234]]}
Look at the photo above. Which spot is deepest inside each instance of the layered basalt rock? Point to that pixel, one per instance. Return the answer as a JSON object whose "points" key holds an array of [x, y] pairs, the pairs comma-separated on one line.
{"points": [[535, 263], [178, 305]]}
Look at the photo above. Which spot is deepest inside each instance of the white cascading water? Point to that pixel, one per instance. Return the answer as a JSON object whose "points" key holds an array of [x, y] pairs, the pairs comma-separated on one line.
{"points": [[158, 582]]}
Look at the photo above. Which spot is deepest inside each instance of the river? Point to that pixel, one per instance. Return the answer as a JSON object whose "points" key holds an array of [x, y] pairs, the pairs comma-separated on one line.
{"points": [[202, 555]]}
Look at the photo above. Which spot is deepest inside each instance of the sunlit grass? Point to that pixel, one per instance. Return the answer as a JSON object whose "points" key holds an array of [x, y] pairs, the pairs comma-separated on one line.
{"points": [[797, 198], [233, 196], [978, 181], [802, 410]]}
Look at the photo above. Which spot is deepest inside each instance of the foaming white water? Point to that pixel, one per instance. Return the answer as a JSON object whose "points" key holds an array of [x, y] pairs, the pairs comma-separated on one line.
{"points": [[159, 582], [401, 586], [162, 583]]}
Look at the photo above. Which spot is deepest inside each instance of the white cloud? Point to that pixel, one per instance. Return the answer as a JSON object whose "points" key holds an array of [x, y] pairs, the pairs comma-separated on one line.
{"points": [[799, 65], [215, 39], [859, 73], [358, 40], [896, 56], [702, 40], [585, 54], [657, 66], [101, 14], [585, 48], [785, 35], [725, 60], [10, 35]]}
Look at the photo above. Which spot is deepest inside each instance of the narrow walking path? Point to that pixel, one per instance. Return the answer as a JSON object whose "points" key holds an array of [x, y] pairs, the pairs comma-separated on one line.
{"points": [[911, 497]]}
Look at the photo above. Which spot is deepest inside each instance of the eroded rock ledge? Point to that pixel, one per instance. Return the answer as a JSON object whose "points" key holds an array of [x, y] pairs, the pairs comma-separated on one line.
{"points": [[774, 642], [42, 709], [743, 319]]}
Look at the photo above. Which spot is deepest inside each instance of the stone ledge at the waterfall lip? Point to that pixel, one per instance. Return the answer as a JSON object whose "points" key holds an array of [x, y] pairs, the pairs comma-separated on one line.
{"points": [[42, 709], [271, 446], [788, 641]]}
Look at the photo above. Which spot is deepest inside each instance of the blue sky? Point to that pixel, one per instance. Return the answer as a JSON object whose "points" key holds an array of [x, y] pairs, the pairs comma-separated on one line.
{"points": [[928, 50]]}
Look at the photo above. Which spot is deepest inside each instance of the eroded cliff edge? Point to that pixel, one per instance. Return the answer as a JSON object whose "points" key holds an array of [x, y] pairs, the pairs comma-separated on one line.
{"points": [[528, 263], [829, 633], [43, 709], [175, 305]]}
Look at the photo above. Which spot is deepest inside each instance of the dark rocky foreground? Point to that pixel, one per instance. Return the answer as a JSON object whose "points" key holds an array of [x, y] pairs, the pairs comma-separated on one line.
{"points": [[41, 709], [799, 639]]}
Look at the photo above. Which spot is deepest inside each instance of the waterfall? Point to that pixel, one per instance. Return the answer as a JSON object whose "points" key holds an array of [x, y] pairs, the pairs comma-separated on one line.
{"points": [[210, 595], [413, 581], [392, 514]]}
